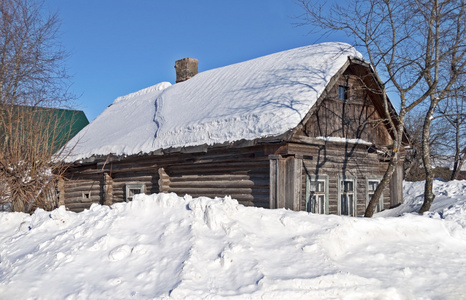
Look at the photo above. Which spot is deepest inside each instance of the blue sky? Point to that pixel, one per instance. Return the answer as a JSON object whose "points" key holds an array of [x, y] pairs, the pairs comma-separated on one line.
{"points": [[119, 46]]}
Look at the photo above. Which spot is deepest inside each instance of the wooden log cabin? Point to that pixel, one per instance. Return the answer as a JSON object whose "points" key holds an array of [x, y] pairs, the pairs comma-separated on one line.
{"points": [[303, 129]]}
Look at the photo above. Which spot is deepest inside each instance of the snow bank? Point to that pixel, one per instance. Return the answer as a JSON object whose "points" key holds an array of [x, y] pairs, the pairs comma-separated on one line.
{"points": [[169, 247], [259, 98]]}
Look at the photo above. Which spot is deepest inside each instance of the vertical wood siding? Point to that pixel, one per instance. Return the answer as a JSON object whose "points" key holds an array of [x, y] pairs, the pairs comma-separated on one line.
{"points": [[335, 162], [353, 118]]}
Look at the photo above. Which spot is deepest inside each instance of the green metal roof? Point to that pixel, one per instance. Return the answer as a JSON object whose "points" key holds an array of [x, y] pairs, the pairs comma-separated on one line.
{"points": [[61, 124]]}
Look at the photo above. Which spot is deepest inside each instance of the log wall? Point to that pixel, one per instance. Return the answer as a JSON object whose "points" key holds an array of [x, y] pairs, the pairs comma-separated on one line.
{"points": [[247, 180], [149, 178], [241, 173], [81, 191]]}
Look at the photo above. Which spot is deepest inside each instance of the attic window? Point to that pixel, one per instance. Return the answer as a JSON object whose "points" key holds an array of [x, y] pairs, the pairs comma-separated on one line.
{"points": [[342, 92], [133, 189]]}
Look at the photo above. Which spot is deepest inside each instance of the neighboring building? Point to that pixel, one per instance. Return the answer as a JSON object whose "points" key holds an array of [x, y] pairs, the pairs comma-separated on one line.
{"points": [[303, 129], [59, 125], [70, 122], [27, 129]]}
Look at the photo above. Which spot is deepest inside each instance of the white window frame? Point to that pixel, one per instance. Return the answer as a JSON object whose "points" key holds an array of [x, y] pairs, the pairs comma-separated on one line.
{"points": [[86, 196], [353, 193], [310, 193], [133, 186], [369, 193]]}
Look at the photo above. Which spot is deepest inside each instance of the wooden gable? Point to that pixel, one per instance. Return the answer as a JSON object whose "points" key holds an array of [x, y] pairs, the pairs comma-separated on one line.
{"points": [[348, 112], [360, 115]]}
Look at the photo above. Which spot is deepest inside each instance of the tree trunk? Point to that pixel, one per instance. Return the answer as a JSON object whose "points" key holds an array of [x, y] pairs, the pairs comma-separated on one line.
{"points": [[426, 159], [370, 209], [458, 164]]}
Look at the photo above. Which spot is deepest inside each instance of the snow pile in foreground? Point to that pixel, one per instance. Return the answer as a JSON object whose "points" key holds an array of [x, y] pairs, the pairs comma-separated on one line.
{"points": [[165, 246]]}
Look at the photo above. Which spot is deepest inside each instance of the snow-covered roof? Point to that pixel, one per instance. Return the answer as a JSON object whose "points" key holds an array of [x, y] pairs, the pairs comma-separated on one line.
{"points": [[259, 98]]}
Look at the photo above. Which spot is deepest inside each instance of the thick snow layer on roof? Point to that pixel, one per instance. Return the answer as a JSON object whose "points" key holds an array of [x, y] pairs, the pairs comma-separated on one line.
{"points": [[258, 98]]}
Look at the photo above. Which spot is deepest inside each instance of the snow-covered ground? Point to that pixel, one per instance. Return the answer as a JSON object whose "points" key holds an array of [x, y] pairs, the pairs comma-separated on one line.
{"points": [[165, 246]]}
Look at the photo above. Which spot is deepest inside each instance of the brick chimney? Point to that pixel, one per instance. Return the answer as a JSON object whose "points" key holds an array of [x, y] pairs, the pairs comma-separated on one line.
{"points": [[185, 68]]}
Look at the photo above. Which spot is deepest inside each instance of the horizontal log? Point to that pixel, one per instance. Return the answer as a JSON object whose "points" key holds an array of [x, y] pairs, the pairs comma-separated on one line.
{"points": [[219, 177], [81, 177], [135, 168], [85, 189], [116, 167], [223, 191], [223, 164], [78, 197], [219, 169], [136, 179], [75, 197], [121, 188], [220, 184], [72, 185], [218, 172]]}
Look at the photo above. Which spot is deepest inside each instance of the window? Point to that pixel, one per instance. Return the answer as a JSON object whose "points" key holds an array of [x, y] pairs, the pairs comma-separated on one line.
{"points": [[342, 92], [86, 196], [134, 189], [317, 194], [347, 196], [371, 186]]}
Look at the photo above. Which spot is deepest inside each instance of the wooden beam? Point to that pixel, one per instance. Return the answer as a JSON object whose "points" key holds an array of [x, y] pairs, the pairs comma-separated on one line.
{"points": [[107, 189], [308, 140], [164, 181], [285, 181]]}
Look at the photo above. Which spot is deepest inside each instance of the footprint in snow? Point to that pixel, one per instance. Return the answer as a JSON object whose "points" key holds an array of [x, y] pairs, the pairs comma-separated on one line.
{"points": [[114, 281], [120, 252]]}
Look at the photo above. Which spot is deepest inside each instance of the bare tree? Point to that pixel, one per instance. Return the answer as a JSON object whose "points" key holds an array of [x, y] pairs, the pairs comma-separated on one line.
{"points": [[32, 81], [441, 142], [445, 63], [413, 48], [413, 161], [452, 111]]}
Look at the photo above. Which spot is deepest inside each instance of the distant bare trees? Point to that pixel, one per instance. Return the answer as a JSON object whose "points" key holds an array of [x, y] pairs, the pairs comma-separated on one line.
{"points": [[417, 50], [447, 140], [32, 79], [453, 112]]}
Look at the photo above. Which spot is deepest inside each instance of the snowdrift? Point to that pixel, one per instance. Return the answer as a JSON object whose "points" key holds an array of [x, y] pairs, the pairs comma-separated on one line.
{"points": [[165, 246]]}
